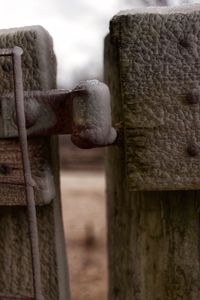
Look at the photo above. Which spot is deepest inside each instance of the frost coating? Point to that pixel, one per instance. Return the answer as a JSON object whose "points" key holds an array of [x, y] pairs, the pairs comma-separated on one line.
{"points": [[180, 9], [92, 116]]}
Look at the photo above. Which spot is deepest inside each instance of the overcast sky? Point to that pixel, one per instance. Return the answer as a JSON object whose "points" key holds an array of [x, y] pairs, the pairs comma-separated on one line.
{"points": [[78, 28]]}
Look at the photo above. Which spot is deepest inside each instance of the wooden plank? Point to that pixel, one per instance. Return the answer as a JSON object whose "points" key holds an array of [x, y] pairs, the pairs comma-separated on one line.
{"points": [[39, 71], [153, 237]]}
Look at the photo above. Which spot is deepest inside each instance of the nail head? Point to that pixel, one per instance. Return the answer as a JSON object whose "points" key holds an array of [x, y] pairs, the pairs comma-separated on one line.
{"points": [[184, 43], [193, 150], [5, 169], [193, 97]]}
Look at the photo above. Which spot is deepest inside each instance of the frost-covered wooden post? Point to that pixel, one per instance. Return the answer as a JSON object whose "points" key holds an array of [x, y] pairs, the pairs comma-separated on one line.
{"points": [[32, 113], [16, 282], [152, 66]]}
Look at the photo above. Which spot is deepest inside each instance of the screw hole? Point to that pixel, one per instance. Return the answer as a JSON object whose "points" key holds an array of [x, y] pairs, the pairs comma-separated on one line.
{"points": [[193, 97], [6, 67], [5, 169], [184, 43], [193, 150]]}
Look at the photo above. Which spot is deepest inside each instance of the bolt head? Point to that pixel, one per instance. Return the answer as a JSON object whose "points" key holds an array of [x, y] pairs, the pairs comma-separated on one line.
{"points": [[193, 150], [193, 97]]}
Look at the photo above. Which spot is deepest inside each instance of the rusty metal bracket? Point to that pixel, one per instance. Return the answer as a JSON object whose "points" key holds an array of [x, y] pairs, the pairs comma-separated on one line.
{"points": [[84, 113]]}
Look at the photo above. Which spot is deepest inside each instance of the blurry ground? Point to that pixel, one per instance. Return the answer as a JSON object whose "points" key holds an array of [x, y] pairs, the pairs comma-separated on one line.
{"points": [[73, 158], [84, 215]]}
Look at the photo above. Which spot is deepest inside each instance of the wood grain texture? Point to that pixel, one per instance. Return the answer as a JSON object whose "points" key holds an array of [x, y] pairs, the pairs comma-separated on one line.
{"points": [[159, 71], [153, 236], [39, 72], [11, 172]]}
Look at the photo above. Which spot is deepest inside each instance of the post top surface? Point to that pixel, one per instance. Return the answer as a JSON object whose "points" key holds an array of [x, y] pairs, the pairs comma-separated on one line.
{"points": [[163, 10], [36, 28]]}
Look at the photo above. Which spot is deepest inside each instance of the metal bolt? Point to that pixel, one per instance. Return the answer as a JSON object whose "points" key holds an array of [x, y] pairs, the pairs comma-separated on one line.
{"points": [[5, 169], [193, 150], [7, 67], [193, 97], [184, 43], [32, 110]]}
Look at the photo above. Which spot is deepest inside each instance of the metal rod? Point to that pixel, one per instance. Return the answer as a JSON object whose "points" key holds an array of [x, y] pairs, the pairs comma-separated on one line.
{"points": [[3, 297], [29, 183], [6, 52]]}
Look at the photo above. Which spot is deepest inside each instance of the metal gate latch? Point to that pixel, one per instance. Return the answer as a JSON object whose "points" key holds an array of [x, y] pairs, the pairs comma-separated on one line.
{"points": [[83, 112]]}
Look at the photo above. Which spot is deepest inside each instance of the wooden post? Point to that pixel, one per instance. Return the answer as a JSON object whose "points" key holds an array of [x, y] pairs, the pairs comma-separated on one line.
{"points": [[39, 73], [152, 69]]}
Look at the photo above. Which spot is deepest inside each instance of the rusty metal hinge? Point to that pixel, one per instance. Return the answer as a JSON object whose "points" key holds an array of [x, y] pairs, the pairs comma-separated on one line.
{"points": [[83, 112]]}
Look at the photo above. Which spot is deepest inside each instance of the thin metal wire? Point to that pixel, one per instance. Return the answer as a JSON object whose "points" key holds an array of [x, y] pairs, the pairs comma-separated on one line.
{"points": [[16, 53], [29, 183], [11, 297]]}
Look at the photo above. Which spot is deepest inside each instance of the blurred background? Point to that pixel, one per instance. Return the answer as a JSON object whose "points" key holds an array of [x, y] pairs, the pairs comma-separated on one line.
{"points": [[78, 28]]}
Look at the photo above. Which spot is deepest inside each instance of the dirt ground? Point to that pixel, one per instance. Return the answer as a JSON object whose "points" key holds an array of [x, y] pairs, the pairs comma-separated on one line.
{"points": [[84, 215]]}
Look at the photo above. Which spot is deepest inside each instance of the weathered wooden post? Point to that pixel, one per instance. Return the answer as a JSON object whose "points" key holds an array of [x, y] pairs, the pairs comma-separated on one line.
{"points": [[16, 282], [152, 66], [32, 250]]}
